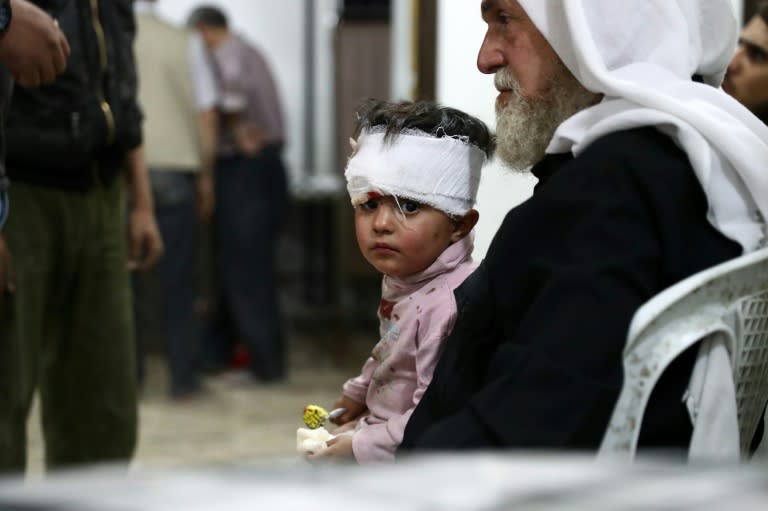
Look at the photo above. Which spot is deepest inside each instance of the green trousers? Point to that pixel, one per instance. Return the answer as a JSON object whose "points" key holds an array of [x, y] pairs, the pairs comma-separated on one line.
{"points": [[67, 331]]}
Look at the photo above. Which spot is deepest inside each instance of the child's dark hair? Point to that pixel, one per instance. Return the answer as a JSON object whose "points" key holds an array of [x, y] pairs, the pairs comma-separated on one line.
{"points": [[400, 117]]}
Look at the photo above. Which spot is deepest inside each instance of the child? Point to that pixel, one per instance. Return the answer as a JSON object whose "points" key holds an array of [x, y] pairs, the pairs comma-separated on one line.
{"points": [[413, 178]]}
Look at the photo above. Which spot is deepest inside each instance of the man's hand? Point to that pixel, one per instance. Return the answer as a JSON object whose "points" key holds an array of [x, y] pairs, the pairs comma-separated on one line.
{"points": [[6, 284], [34, 48], [339, 449], [145, 243], [354, 409], [249, 138]]}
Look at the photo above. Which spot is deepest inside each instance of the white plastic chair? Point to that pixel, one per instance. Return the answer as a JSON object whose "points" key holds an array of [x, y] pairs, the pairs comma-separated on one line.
{"points": [[728, 302]]}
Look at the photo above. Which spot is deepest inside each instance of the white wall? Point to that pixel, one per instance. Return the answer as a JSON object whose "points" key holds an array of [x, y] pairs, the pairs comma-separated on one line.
{"points": [[461, 85]]}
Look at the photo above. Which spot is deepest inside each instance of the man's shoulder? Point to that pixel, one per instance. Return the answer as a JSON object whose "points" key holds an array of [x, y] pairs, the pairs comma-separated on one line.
{"points": [[151, 25], [638, 168], [245, 48], [641, 156], [634, 146]]}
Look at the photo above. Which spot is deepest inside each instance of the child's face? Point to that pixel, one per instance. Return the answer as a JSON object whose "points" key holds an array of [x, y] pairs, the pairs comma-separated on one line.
{"points": [[398, 243]]}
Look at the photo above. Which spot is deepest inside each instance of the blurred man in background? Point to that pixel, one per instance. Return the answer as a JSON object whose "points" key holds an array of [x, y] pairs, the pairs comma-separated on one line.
{"points": [[250, 198], [177, 93]]}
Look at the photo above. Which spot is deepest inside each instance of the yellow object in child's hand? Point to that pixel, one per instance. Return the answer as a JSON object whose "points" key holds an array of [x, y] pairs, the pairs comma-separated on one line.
{"points": [[315, 416]]}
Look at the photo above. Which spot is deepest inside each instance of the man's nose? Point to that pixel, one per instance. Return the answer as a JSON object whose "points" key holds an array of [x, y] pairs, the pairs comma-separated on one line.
{"points": [[490, 58], [736, 62]]}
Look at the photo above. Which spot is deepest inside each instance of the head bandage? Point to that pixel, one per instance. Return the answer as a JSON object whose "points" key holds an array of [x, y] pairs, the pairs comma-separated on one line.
{"points": [[441, 172]]}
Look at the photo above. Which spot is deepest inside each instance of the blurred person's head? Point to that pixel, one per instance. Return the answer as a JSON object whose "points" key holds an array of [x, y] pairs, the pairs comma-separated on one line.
{"points": [[536, 91], [747, 76], [413, 178], [211, 23]]}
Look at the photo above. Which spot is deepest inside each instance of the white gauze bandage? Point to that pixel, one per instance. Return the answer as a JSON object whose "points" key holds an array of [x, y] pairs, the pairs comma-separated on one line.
{"points": [[441, 172]]}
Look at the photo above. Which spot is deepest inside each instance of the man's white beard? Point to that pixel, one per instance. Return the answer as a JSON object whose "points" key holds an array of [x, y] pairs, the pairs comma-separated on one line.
{"points": [[525, 126]]}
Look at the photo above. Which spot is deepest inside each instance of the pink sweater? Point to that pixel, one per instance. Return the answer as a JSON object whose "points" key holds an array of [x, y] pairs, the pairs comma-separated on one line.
{"points": [[416, 314]]}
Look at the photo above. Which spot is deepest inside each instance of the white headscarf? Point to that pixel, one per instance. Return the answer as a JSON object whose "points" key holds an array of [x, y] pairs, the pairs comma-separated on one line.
{"points": [[642, 54]]}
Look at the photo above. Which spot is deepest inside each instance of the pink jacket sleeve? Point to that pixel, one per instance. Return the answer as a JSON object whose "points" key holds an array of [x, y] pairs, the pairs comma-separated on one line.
{"points": [[378, 442], [356, 388]]}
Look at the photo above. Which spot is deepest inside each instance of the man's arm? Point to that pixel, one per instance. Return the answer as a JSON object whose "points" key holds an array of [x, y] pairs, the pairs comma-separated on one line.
{"points": [[553, 377], [208, 128], [145, 243], [33, 47]]}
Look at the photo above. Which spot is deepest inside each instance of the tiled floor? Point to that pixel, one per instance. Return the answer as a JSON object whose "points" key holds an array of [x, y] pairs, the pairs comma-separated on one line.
{"points": [[232, 423]]}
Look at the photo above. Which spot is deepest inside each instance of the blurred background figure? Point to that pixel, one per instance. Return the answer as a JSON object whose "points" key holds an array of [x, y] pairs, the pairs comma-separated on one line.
{"points": [[178, 95], [69, 332], [747, 76], [250, 196]]}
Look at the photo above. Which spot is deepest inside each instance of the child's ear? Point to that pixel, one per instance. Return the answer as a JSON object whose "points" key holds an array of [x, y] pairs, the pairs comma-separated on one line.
{"points": [[464, 224]]}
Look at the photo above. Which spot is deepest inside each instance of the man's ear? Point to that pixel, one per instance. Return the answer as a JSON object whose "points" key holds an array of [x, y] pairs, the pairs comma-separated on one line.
{"points": [[464, 224]]}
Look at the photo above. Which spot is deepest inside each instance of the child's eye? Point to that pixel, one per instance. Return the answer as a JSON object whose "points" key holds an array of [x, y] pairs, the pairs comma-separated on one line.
{"points": [[370, 204], [410, 206]]}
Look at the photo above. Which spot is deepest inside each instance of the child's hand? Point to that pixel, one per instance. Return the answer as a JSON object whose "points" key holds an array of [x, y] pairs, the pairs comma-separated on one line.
{"points": [[339, 449], [354, 409], [349, 426]]}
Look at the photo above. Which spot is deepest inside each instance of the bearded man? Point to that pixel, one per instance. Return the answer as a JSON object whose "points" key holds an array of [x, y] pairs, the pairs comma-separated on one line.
{"points": [[648, 173]]}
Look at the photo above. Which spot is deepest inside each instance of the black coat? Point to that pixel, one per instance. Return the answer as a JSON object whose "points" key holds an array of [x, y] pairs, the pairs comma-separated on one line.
{"points": [[534, 360], [87, 120]]}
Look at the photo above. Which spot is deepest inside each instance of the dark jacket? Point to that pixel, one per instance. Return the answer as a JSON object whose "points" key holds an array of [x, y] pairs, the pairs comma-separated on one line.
{"points": [[84, 123], [535, 356]]}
